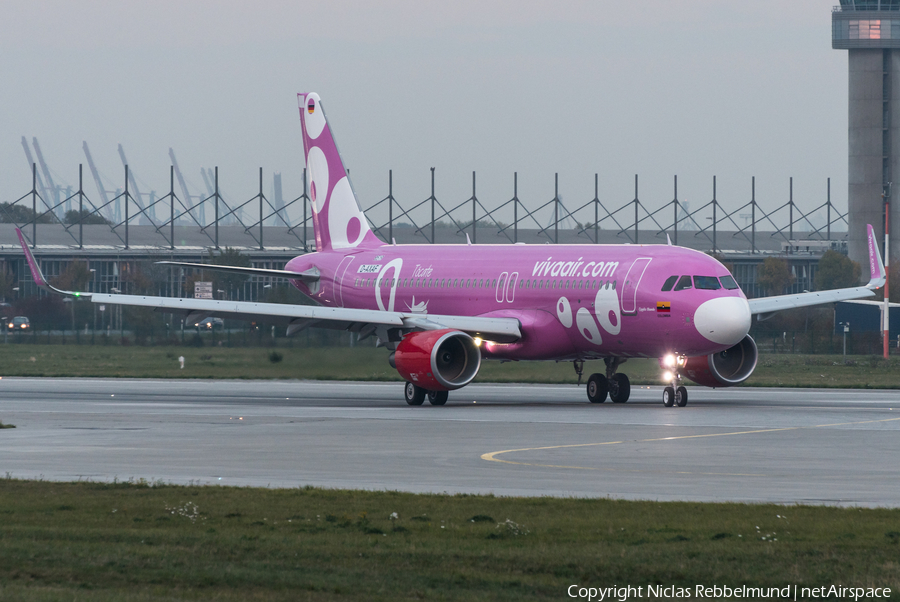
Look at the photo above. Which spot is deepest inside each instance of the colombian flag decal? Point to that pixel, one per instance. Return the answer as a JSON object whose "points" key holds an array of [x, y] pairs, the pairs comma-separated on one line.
{"points": [[663, 307]]}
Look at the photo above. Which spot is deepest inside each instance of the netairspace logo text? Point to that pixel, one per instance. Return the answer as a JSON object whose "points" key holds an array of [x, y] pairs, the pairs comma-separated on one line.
{"points": [[718, 592]]}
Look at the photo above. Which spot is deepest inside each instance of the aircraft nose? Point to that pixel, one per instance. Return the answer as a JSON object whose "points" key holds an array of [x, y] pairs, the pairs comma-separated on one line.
{"points": [[725, 320]]}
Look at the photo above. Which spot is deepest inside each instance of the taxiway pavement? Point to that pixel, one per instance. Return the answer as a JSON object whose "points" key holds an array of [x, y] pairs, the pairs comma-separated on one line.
{"points": [[839, 447]]}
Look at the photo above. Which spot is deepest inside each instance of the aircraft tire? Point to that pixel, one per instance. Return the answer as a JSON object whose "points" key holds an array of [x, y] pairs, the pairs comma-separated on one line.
{"points": [[681, 397], [438, 398], [597, 388], [414, 394], [620, 390], [669, 397]]}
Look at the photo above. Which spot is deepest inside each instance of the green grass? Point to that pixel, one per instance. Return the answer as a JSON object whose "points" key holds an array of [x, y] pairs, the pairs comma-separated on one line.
{"points": [[366, 363], [90, 541]]}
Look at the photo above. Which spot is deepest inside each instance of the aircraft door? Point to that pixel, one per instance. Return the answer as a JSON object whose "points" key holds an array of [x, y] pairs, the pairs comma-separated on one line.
{"points": [[632, 281], [341, 276], [501, 287], [511, 287]]}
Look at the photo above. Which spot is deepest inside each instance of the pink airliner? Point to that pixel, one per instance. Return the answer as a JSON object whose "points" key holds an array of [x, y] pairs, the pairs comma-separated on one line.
{"points": [[441, 309]]}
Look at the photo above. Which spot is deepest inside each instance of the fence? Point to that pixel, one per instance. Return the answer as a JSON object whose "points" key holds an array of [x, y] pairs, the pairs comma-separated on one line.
{"points": [[430, 220]]}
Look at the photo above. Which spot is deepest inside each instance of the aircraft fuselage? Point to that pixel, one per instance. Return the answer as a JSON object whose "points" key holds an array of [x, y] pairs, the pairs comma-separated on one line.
{"points": [[573, 301]]}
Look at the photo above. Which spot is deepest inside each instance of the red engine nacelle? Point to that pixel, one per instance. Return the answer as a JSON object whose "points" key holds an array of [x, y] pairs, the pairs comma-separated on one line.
{"points": [[437, 360], [725, 368]]}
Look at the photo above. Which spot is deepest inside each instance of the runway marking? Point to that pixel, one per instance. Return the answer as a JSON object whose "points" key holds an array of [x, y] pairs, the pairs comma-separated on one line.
{"points": [[492, 456]]}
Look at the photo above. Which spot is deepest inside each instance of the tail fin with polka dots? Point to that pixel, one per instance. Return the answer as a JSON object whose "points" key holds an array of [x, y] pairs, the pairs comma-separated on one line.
{"points": [[338, 221]]}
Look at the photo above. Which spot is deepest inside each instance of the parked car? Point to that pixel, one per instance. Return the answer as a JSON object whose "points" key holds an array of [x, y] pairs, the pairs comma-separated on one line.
{"points": [[19, 323]]}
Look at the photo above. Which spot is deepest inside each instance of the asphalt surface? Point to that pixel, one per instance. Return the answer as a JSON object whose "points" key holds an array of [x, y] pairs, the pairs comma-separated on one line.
{"points": [[836, 447]]}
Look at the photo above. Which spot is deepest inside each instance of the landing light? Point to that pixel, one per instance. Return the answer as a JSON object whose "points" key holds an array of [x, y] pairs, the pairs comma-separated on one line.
{"points": [[478, 341], [669, 361], [667, 376]]}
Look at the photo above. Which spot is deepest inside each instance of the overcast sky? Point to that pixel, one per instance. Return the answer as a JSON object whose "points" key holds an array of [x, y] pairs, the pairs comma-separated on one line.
{"points": [[654, 88]]}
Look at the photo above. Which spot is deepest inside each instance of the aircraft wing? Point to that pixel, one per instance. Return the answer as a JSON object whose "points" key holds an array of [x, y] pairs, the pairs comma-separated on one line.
{"points": [[768, 305], [297, 317], [308, 276]]}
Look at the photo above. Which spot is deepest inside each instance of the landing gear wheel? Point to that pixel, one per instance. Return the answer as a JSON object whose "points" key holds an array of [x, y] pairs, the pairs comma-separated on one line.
{"points": [[438, 398], [619, 388], [414, 394], [597, 388], [669, 397], [681, 397]]}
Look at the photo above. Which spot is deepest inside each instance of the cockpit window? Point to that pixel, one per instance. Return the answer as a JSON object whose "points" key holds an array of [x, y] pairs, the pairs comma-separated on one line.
{"points": [[670, 282], [707, 283], [728, 282], [683, 283]]}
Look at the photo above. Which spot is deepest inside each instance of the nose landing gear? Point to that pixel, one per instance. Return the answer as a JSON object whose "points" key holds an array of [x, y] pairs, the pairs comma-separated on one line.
{"points": [[675, 396], [675, 393]]}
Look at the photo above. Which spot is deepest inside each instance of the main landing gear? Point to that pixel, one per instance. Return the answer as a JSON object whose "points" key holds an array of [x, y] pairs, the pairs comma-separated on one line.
{"points": [[616, 386], [415, 395]]}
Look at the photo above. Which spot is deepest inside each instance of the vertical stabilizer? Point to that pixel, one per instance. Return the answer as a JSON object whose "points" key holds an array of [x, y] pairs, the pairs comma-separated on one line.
{"points": [[338, 221]]}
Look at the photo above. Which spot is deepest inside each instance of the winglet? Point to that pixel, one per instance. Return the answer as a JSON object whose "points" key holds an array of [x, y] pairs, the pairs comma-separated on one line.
{"points": [[876, 266], [36, 273]]}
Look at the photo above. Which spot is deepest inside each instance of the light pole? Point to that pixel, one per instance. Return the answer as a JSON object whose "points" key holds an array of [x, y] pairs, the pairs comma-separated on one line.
{"points": [[94, 329], [71, 303], [118, 310], [886, 199], [846, 326]]}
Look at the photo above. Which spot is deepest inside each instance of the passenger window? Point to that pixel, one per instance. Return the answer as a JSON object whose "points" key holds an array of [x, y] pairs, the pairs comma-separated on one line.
{"points": [[728, 282], [683, 283], [707, 283], [670, 282]]}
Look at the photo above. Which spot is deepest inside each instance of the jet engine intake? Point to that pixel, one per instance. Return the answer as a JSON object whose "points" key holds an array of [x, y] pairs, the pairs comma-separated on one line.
{"points": [[725, 368], [437, 360]]}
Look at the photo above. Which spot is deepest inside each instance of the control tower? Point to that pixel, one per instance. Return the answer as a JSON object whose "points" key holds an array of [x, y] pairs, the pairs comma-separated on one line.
{"points": [[870, 31]]}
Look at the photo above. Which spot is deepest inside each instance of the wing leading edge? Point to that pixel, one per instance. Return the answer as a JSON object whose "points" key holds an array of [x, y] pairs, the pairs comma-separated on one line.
{"points": [[769, 305], [308, 276]]}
